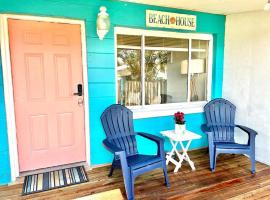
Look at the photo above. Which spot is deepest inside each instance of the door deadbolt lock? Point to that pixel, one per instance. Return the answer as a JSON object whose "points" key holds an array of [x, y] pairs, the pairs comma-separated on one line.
{"points": [[79, 90]]}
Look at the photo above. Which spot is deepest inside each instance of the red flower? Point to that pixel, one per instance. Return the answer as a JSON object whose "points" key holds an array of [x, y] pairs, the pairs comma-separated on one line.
{"points": [[179, 118]]}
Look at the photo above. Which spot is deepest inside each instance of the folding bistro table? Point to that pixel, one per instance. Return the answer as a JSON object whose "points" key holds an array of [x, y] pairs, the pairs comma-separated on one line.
{"points": [[176, 139]]}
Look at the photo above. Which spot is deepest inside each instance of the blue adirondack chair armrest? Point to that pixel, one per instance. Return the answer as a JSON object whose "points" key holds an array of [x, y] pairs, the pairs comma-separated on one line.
{"points": [[210, 135], [205, 129], [158, 140], [247, 130], [151, 137]]}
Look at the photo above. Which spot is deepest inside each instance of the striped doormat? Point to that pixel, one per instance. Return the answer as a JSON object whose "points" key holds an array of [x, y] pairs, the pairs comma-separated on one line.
{"points": [[54, 179]]}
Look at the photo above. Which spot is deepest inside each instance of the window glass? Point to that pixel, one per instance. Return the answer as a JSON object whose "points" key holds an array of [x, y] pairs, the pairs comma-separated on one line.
{"points": [[167, 70], [129, 40], [166, 42], [198, 70], [164, 82]]}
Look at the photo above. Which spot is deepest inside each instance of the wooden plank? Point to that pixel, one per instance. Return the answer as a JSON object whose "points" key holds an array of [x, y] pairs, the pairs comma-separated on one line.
{"points": [[232, 179]]}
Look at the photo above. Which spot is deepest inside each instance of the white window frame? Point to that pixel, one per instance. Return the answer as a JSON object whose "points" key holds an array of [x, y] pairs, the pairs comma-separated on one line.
{"points": [[158, 110]]}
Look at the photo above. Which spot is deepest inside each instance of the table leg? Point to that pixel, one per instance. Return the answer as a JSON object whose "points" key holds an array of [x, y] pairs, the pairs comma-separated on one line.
{"points": [[181, 157], [179, 163], [185, 155], [169, 157]]}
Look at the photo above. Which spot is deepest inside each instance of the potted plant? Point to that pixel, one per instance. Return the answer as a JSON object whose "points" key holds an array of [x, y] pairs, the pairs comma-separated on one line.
{"points": [[180, 124]]}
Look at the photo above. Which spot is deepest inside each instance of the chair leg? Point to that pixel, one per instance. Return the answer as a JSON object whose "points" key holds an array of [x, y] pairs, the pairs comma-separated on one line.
{"points": [[112, 168], [214, 162], [129, 184], [132, 183], [253, 163], [167, 181], [212, 159], [111, 171], [130, 188]]}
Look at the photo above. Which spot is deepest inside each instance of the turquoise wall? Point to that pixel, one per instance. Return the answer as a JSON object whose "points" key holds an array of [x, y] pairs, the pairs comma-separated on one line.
{"points": [[100, 55], [4, 152]]}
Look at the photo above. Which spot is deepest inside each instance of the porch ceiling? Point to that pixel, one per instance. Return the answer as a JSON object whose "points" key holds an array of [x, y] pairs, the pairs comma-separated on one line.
{"points": [[225, 7]]}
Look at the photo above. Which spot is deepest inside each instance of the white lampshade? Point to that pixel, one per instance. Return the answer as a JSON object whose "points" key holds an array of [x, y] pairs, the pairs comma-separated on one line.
{"points": [[103, 23], [267, 6], [196, 66]]}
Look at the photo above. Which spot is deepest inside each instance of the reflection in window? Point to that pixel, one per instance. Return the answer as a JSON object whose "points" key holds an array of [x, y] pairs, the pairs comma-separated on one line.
{"points": [[166, 42], [163, 81], [198, 70], [129, 77]]}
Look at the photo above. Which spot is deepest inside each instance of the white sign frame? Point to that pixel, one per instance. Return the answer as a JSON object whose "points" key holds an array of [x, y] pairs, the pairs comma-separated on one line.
{"points": [[170, 20]]}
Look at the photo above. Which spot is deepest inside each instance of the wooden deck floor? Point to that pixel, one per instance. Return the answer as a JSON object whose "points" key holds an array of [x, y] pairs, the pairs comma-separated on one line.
{"points": [[232, 179]]}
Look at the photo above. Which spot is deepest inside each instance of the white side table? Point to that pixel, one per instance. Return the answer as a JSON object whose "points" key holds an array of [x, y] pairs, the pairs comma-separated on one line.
{"points": [[180, 138]]}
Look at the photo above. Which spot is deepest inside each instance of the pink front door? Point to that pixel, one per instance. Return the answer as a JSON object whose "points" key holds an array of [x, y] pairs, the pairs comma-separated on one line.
{"points": [[46, 60]]}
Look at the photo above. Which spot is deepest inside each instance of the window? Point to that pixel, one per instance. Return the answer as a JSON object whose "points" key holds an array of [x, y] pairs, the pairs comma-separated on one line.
{"points": [[156, 68]]}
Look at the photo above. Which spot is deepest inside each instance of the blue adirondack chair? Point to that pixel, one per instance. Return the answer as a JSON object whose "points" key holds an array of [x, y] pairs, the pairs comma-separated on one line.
{"points": [[220, 118], [117, 122]]}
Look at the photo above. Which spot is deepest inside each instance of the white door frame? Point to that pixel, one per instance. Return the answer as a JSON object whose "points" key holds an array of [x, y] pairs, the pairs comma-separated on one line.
{"points": [[8, 87]]}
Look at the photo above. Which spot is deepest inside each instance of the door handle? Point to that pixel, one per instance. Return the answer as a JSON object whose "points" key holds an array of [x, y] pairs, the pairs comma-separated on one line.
{"points": [[79, 90]]}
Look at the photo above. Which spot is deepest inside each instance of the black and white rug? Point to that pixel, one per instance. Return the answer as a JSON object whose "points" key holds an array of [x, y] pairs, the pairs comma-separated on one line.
{"points": [[54, 179]]}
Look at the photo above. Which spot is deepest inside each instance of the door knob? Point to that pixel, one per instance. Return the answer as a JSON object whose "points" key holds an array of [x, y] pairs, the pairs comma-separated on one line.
{"points": [[79, 90]]}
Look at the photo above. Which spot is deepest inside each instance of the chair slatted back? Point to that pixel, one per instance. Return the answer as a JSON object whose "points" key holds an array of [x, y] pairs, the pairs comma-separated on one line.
{"points": [[220, 118], [117, 122]]}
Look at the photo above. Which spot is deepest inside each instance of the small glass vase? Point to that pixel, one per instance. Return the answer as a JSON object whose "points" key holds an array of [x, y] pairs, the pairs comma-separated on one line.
{"points": [[180, 128]]}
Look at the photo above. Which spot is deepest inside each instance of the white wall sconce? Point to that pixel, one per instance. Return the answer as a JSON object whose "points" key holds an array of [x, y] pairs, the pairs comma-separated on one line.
{"points": [[103, 23]]}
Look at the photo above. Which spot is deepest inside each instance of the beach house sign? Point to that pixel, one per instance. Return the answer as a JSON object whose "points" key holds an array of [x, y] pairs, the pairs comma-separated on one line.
{"points": [[170, 20]]}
